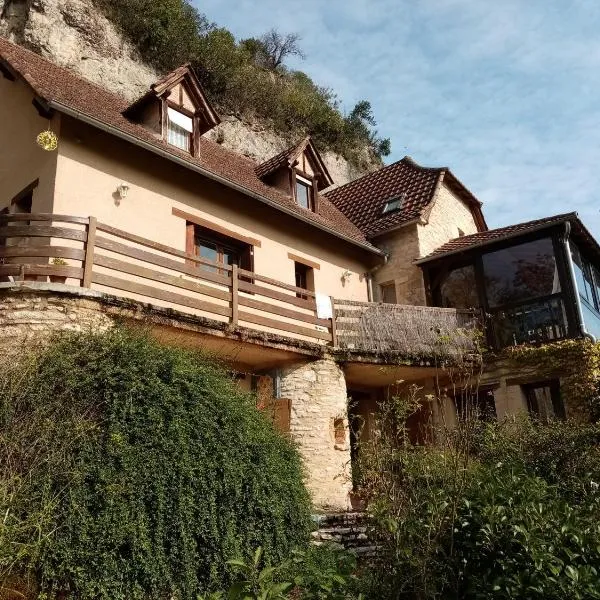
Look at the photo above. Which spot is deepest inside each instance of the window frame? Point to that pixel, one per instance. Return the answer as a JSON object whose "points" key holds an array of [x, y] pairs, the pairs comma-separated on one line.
{"points": [[308, 274], [393, 205], [309, 182], [166, 121], [390, 285], [558, 405]]}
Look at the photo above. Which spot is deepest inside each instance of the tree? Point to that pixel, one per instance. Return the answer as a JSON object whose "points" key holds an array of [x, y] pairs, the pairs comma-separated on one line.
{"points": [[277, 47]]}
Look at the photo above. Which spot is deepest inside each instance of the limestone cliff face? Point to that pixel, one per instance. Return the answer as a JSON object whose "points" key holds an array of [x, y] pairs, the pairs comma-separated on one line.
{"points": [[74, 34]]}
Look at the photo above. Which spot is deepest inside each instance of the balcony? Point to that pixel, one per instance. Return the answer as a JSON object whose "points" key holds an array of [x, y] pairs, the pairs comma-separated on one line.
{"points": [[81, 252]]}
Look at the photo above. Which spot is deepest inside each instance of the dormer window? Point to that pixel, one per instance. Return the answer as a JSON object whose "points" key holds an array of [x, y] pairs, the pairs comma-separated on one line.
{"points": [[180, 128], [392, 205], [304, 192]]}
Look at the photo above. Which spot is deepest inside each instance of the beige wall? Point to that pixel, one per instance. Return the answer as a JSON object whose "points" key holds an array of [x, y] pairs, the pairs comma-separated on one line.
{"points": [[91, 165], [22, 161], [402, 246], [448, 214]]}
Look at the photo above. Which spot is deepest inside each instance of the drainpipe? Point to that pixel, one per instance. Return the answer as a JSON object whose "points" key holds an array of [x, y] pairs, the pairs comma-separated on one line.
{"points": [[571, 267]]}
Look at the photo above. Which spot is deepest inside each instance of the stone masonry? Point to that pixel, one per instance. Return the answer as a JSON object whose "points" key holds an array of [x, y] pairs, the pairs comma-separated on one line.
{"points": [[319, 425]]}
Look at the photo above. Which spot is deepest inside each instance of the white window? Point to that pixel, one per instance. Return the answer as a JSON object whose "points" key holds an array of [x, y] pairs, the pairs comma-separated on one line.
{"points": [[179, 129], [392, 205], [304, 192]]}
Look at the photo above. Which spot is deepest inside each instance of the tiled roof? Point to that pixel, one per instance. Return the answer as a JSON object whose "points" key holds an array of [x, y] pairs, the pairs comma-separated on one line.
{"points": [[483, 238], [60, 87], [363, 200], [282, 159]]}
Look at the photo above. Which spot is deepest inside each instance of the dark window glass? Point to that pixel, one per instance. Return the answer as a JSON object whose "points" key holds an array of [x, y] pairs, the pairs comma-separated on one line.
{"points": [[544, 400], [218, 253], [388, 293], [479, 405], [458, 289], [304, 278], [303, 192], [583, 276], [596, 282], [521, 273]]}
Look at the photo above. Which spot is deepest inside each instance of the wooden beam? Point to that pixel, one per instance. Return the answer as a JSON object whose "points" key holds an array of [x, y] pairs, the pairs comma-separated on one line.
{"points": [[289, 327], [42, 231], [304, 261], [41, 252], [214, 227], [235, 283], [89, 253]]}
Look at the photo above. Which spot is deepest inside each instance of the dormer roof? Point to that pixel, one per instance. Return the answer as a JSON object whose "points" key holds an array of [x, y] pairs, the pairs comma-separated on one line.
{"points": [[291, 157], [163, 88], [364, 200]]}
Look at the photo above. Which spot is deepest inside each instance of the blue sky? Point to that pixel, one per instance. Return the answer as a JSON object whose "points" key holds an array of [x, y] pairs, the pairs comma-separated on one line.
{"points": [[505, 93]]}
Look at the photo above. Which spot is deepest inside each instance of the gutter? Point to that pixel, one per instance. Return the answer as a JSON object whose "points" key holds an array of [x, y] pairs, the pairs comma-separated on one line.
{"points": [[571, 267], [202, 171]]}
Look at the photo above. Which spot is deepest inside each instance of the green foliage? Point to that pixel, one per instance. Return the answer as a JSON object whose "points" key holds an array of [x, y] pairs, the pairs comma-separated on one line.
{"points": [[317, 573], [133, 470], [248, 78], [506, 510]]}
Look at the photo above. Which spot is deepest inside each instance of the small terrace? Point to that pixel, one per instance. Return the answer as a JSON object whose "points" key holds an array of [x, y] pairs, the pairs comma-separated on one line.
{"points": [[82, 252]]}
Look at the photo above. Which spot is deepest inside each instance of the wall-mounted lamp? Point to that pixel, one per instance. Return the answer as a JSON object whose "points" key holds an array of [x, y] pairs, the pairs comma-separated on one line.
{"points": [[346, 275], [122, 191]]}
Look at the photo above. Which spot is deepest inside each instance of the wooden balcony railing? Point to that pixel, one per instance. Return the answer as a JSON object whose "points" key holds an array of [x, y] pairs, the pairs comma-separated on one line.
{"points": [[83, 252]]}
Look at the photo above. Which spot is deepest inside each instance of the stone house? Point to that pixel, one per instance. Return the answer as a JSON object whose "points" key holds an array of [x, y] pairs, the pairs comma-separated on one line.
{"points": [[310, 293]]}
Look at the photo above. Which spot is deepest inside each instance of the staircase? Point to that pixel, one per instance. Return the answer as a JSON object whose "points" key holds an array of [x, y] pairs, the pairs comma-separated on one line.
{"points": [[348, 530]]}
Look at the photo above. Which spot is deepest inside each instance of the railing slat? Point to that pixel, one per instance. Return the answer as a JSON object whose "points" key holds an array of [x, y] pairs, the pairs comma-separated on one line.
{"points": [[282, 311], [158, 294], [289, 327], [285, 286], [41, 252], [161, 261], [29, 231], [89, 253], [142, 241], [251, 288], [139, 271], [43, 217], [41, 270]]}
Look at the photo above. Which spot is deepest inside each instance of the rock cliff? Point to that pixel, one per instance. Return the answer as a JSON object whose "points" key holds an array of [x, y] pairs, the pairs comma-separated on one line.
{"points": [[74, 34]]}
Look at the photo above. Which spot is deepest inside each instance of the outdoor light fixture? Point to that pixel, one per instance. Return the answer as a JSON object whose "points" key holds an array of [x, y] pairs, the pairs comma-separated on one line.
{"points": [[346, 275], [122, 191]]}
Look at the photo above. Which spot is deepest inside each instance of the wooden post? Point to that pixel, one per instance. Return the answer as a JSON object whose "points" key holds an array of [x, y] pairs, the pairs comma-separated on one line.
{"points": [[234, 294], [89, 253], [333, 326]]}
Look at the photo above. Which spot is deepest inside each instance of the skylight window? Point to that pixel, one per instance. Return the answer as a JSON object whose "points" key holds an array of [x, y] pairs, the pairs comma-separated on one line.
{"points": [[392, 205]]}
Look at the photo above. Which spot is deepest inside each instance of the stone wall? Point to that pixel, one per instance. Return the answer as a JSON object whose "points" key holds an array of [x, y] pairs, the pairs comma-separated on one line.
{"points": [[319, 425], [26, 317]]}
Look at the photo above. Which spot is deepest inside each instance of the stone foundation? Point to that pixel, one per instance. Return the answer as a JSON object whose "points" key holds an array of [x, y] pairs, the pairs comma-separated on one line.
{"points": [[319, 425]]}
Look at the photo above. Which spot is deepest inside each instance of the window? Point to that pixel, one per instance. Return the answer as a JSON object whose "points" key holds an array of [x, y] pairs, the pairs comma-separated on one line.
{"points": [[519, 273], [479, 405], [24, 203], [388, 293], [544, 401], [221, 250], [305, 278], [179, 129], [304, 192], [392, 205], [458, 289], [583, 276]]}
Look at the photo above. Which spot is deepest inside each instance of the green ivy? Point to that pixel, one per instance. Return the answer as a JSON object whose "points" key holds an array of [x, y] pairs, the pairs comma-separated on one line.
{"points": [[151, 467]]}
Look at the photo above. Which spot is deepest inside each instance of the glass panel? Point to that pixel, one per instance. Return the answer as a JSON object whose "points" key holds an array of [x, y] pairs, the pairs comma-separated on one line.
{"points": [[591, 320], [521, 272], [458, 290], [231, 257], [583, 275], [210, 252], [303, 194], [178, 136], [538, 321]]}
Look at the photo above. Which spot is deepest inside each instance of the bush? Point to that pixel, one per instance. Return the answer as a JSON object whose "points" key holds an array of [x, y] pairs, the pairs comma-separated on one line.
{"points": [[133, 470], [503, 510]]}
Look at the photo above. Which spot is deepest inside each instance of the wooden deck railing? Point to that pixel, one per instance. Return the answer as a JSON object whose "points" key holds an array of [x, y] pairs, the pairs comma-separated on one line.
{"points": [[129, 265], [94, 255]]}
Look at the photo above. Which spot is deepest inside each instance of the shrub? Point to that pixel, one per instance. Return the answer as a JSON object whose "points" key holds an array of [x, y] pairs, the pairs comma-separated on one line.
{"points": [[509, 510], [134, 470]]}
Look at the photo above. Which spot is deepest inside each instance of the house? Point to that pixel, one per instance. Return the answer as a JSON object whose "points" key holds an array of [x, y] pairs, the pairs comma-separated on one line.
{"points": [[310, 293]]}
